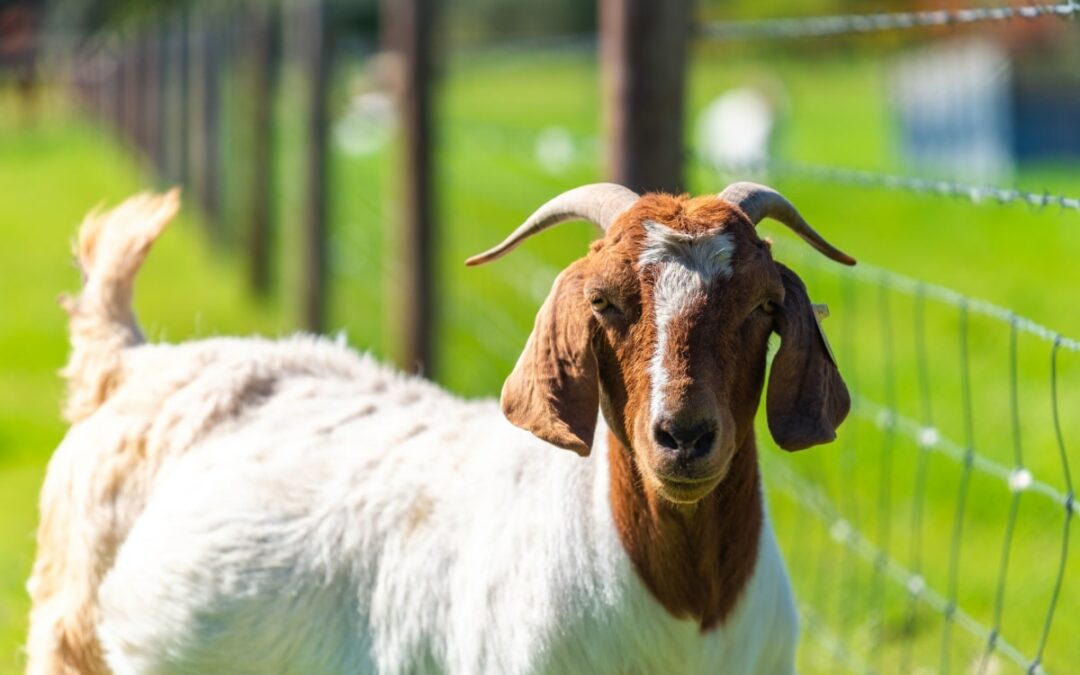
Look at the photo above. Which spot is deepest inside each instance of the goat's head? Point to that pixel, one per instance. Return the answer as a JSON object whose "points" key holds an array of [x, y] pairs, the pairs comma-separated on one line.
{"points": [[664, 325]]}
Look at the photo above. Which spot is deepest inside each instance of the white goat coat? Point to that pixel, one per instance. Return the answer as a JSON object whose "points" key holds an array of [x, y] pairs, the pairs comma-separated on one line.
{"points": [[328, 515]]}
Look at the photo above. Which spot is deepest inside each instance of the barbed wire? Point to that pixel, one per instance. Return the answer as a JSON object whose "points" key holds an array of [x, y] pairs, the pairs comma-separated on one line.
{"points": [[857, 24], [976, 194]]}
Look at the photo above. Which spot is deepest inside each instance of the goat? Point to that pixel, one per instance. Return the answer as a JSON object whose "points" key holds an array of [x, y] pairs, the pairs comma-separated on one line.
{"points": [[247, 505]]}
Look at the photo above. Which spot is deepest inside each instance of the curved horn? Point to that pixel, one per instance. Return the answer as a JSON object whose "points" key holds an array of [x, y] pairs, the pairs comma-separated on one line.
{"points": [[599, 203], [758, 202]]}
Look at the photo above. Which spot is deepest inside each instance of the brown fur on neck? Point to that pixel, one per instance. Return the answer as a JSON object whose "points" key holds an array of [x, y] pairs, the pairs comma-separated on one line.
{"points": [[695, 560]]}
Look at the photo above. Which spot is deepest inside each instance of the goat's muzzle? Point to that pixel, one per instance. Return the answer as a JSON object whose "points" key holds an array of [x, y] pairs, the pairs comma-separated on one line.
{"points": [[690, 455]]}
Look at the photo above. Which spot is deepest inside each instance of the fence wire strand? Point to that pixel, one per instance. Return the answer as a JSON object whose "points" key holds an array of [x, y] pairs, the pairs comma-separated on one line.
{"points": [[975, 194], [866, 272], [1014, 504], [860, 24]]}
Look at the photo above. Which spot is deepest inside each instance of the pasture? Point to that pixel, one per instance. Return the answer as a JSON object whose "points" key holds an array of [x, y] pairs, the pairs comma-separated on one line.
{"points": [[493, 106]]}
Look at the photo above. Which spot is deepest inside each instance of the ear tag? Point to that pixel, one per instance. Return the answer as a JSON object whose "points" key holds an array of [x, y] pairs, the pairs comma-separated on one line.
{"points": [[821, 312]]}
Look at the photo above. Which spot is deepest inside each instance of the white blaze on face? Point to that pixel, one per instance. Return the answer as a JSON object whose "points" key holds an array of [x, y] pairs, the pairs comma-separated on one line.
{"points": [[686, 265]]}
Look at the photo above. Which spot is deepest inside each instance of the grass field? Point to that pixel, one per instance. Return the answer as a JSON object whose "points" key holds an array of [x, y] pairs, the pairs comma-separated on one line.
{"points": [[493, 107]]}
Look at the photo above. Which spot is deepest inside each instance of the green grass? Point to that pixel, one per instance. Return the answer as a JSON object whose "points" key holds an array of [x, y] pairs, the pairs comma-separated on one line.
{"points": [[491, 108]]}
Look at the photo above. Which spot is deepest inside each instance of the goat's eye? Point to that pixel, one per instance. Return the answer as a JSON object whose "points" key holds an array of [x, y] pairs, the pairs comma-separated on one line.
{"points": [[599, 303], [768, 306]]}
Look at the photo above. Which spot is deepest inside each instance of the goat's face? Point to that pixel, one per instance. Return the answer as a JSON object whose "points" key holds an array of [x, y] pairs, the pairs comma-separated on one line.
{"points": [[682, 295], [665, 325]]}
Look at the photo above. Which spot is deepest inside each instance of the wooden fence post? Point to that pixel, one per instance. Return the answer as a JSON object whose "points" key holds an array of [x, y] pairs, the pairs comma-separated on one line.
{"points": [[208, 157], [101, 91], [408, 26], [259, 43], [129, 86], [115, 87], [314, 61], [154, 106], [143, 87], [195, 162], [178, 98], [643, 46]]}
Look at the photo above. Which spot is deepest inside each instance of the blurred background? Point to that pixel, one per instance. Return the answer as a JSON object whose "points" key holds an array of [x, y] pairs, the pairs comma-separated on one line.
{"points": [[340, 160]]}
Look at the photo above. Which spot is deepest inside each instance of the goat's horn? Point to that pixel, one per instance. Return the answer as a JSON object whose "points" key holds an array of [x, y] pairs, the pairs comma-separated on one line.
{"points": [[599, 203], [758, 202]]}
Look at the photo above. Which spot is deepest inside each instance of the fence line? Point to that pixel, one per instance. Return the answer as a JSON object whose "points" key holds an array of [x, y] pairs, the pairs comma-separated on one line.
{"points": [[860, 24], [840, 530], [928, 438], [894, 280], [976, 194]]}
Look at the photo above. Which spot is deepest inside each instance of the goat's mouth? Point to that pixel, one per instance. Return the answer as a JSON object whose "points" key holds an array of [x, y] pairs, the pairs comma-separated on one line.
{"points": [[686, 489]]}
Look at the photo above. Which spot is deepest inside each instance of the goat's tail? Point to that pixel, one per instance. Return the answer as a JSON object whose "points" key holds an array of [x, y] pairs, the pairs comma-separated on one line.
{"points": [[111, 248]]}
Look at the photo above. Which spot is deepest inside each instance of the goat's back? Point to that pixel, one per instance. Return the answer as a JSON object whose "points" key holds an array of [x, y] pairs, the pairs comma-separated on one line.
{"points": [[294, 507], [331, 515]]}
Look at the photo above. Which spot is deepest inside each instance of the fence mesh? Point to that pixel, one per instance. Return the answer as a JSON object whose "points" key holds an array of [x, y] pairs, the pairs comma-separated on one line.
{"points": [[886, 635]]}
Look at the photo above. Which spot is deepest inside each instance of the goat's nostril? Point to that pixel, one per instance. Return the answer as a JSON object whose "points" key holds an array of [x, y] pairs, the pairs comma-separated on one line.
{"points": [[664, 439], [704, 442], [692, 440]]}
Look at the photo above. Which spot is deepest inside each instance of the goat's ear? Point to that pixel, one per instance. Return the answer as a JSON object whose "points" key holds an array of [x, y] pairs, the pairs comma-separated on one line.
{"points": [[553, 391], [807, 399]]}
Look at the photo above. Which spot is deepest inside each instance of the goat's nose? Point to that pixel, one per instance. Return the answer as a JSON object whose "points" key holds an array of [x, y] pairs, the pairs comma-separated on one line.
{"points": [[689, 441]]}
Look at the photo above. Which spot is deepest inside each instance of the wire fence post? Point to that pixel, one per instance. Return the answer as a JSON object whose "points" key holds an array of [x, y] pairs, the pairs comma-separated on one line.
{"points": [[192, 97], [643, 57], [154, 109], [129, 87], [208, 174], [139, 89], [259, 47], [408, 26], [314, 59]]}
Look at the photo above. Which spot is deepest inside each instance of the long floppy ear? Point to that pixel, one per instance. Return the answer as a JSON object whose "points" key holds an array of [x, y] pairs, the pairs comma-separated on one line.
{"points": [[553, 390], [807, 399]]}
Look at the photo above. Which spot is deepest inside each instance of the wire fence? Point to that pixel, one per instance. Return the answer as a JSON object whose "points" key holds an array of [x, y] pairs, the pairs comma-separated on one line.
{"points": [[856, 24], [840, 520], [837, 633], [975, 194], [893, 577]]}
